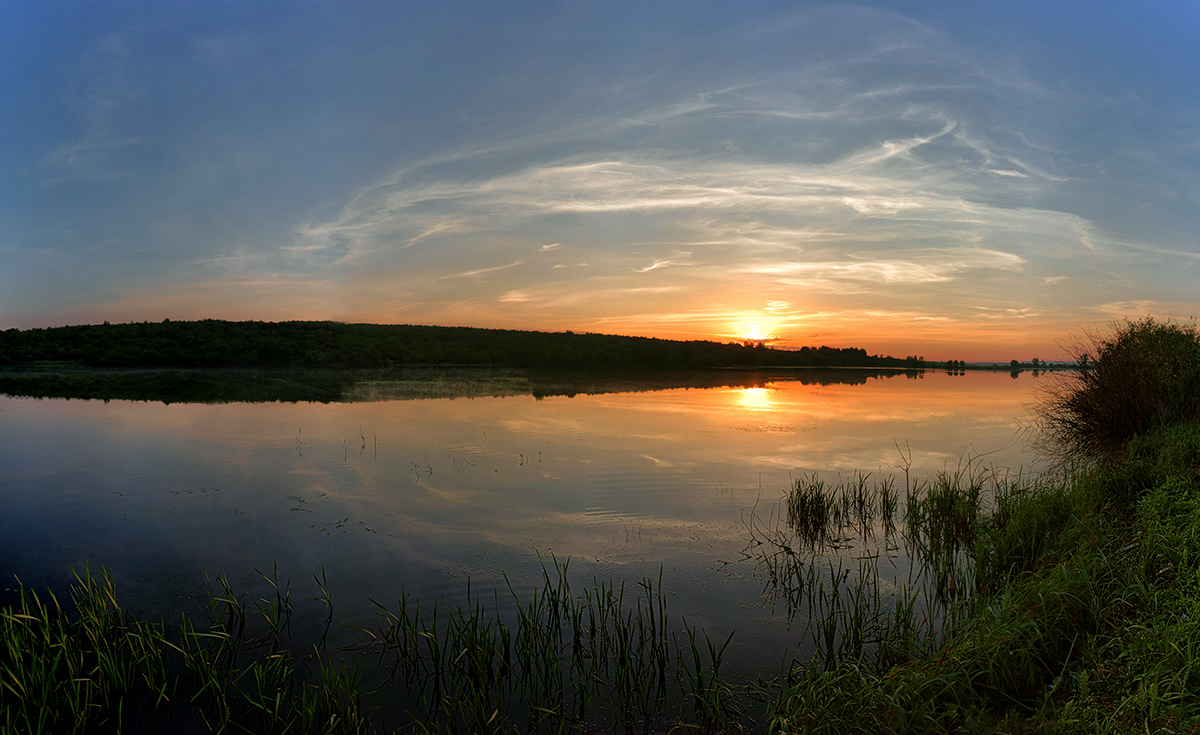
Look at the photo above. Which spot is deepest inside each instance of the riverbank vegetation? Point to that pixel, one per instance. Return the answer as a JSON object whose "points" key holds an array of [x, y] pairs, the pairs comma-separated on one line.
{"points": [[1143, 376], [1067, 602], [213, 343]]}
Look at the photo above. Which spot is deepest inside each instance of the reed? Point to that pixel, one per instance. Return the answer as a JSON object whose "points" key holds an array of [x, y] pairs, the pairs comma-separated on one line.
{"points": [[827, 516], [90, 667], [565, 659]]}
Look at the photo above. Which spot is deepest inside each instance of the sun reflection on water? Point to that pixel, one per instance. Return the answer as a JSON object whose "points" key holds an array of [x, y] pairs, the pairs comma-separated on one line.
{"points": [[755, 399]]}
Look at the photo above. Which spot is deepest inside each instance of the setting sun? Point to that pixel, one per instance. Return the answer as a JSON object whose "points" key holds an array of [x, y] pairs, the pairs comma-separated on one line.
{"points": [[753, 328]]}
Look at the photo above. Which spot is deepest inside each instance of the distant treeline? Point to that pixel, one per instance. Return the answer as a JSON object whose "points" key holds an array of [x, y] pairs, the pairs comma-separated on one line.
{"points": [[212, 343]]}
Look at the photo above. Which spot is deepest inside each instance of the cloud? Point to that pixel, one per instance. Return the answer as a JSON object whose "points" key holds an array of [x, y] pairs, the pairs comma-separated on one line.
{"points": [[677, 258], [1148, 307], [476, 273], [899, 268]]}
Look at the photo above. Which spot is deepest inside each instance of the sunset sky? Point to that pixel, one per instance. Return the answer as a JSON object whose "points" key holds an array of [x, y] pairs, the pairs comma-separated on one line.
{"points": [[958, 180]]}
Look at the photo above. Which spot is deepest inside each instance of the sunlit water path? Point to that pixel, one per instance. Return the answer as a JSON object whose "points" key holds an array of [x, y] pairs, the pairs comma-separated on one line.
{"points": [[420, 495]]}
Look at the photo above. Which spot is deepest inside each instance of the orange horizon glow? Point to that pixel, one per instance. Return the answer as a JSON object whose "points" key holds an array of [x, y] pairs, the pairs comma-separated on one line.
{"points": [[934, 336]]}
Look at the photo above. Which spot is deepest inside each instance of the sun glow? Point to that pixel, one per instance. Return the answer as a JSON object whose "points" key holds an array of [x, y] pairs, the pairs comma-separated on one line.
{"points": [[754, 399], [753, 329]]}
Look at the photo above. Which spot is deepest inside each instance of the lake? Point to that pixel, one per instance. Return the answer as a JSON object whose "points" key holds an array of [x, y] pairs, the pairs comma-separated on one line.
{"points": [[386, 495]]}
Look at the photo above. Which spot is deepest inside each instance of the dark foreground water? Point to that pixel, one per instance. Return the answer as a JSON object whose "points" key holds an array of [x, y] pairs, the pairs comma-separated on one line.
{"points": [[420, 495]]}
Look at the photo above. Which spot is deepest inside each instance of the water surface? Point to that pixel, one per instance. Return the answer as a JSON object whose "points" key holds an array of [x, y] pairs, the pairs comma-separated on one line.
{"points": [[419, 495]]}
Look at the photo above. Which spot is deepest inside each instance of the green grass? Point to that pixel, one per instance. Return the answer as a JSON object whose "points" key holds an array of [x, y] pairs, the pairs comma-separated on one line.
{"points": [[1082, 616], [89, 667]]}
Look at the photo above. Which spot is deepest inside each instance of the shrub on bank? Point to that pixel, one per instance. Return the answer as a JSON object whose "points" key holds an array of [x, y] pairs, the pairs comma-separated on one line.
{"points": [[1142, 376]]}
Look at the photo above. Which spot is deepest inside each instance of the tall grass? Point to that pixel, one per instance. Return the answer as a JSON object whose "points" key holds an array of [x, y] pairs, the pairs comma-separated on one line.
{"points": [[988, 630], [568, 659], [89, 667]]}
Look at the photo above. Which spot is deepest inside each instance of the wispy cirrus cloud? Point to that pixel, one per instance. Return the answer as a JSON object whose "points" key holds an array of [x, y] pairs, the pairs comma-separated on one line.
{"points": [[478, 272], [898, 268]]}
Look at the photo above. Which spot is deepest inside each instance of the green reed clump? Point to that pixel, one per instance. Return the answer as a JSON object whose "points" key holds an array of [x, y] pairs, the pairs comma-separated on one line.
{"points": [[834, 579], [946, 511], [813, 511], [941, 524], [822, 515], [1012, 584], [59, 674]]}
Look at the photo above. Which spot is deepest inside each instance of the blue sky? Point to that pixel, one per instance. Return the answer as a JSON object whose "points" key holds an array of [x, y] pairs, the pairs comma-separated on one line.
{"points": [[957, 180]]}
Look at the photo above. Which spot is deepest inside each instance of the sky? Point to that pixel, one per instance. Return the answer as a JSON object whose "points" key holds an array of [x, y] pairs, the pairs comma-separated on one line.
{"points": [[978, 181]]}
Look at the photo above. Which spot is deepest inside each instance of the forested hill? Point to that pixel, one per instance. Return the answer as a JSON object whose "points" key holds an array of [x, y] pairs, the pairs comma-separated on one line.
{"points": [[212, 343]]}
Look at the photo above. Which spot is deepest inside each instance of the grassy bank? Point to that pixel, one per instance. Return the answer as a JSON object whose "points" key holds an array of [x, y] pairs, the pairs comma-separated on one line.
{"points": [[1076, 611]]}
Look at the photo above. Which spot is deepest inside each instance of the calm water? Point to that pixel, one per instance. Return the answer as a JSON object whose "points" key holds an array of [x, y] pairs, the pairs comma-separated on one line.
{"points": [[420, 495]]}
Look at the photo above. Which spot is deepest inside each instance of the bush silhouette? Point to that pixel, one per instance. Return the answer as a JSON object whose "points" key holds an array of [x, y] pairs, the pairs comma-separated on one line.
{"points": [[1144, 375]]}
